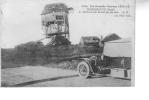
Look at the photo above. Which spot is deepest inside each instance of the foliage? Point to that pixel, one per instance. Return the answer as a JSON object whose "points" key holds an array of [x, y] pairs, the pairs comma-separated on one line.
{"points": [[35, 53]]}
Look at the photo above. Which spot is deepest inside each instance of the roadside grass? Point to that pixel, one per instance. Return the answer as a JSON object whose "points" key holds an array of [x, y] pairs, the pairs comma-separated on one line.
{"points": [[11, 65], [67, 65]]}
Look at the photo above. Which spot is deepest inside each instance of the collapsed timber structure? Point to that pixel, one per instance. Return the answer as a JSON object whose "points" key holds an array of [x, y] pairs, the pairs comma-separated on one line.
{"points": [[55, 23]]}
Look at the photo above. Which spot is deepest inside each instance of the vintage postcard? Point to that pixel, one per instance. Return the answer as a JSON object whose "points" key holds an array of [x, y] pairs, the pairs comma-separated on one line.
{"points": [[67, 43]]}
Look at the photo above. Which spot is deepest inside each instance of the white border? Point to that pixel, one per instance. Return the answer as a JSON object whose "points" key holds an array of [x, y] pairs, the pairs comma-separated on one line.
{"points": [[140, 91]]}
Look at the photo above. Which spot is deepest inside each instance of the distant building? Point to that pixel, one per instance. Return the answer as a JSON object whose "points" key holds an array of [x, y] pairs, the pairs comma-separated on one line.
{"points": [[89, 41]]}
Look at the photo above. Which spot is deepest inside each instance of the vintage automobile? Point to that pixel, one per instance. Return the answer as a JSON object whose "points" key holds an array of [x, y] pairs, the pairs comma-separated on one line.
{"points": [[116, 56]]}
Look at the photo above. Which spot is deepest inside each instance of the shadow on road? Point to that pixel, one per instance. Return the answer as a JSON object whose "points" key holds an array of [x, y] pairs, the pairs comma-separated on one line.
{"points": [[42, 80], [97, 76]]}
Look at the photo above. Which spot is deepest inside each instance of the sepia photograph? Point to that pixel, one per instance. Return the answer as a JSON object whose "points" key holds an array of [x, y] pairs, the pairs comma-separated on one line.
{"points": [[67, 43]]}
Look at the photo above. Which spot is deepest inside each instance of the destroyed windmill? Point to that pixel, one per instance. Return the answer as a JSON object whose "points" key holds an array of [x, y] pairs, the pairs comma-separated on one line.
{"points": [[55, 23]]}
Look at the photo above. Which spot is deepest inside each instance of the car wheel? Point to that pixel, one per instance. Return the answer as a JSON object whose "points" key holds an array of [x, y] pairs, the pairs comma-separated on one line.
{"points": [[83, 69]]}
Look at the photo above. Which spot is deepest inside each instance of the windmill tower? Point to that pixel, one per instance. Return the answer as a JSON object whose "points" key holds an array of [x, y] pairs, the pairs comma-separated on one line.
{"points": [[55, 23]]}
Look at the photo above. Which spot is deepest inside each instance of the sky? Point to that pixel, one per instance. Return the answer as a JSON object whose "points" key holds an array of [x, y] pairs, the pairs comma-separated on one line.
{"points": [[21, 21]]}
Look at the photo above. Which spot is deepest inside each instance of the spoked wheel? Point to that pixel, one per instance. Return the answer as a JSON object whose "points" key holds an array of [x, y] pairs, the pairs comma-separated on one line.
{"points": [[83, 70]]}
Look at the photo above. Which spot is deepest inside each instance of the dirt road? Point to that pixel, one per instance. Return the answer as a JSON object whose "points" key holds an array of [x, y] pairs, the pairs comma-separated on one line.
{"points": [[38, 76]]}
